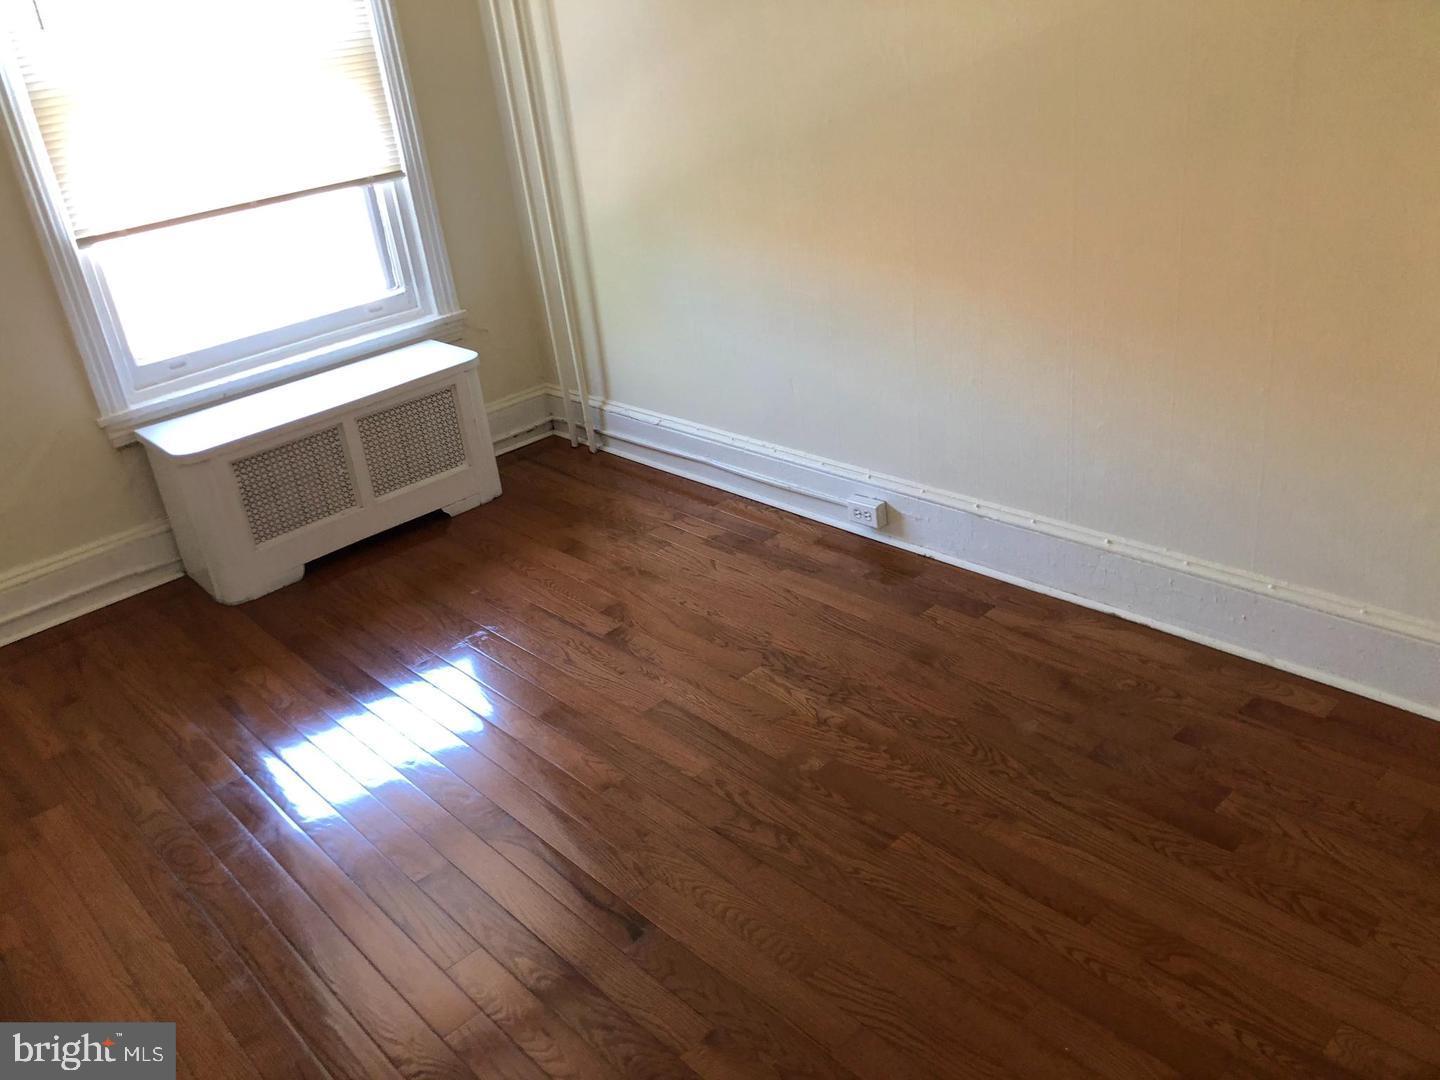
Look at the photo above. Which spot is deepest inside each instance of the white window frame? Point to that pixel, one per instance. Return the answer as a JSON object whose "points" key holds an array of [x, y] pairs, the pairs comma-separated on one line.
{"points": [[128, 397]]}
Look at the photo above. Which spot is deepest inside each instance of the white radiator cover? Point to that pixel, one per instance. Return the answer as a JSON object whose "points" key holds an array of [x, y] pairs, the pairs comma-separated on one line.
{"points": [[258, 486]]}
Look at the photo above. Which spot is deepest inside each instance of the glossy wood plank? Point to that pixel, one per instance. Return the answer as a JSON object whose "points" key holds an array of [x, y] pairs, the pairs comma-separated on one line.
{"points": [[621, 775]]}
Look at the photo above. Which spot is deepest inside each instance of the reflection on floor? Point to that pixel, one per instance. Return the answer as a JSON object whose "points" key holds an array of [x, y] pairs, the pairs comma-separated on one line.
{"points": [[624, 776]]}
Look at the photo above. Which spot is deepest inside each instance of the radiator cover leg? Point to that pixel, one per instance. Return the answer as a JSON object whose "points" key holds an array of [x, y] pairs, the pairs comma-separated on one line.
{"points": [[460, 506], [238, 588]]}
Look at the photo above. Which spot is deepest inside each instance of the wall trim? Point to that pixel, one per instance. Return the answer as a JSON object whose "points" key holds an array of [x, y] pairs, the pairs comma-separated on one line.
{"points": [[1385, 655], [523, 417], [65, 586], [1380, 654]]}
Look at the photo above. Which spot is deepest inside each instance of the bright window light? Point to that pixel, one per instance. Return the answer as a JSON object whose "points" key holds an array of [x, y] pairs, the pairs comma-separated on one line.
{"points": [[232, 190], [187, 287]]}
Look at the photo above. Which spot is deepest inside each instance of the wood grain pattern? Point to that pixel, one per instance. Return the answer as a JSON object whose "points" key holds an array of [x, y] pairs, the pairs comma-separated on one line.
{"points": [[621, 775]]}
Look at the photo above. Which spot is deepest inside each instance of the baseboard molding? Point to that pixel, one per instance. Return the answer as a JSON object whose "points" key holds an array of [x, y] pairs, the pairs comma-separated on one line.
{"points": [[523, 418], [1384, 655], [52, 591], [47, 593]]}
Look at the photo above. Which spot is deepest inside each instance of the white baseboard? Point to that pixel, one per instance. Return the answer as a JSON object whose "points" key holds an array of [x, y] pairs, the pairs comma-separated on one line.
{"points": [[55, 590], [522, 418], [1384, 655]]}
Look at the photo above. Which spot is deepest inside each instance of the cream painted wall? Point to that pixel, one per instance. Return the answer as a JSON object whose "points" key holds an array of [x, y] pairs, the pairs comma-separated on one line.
{"points": [[1168, 269], [61, 483]]}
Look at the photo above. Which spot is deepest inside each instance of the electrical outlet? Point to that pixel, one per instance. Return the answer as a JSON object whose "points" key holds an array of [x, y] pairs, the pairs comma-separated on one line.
{"points": [[872, 513]]}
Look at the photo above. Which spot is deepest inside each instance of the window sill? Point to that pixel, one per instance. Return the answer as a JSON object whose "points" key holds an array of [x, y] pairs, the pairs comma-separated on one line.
{"points": [[120, 427]]}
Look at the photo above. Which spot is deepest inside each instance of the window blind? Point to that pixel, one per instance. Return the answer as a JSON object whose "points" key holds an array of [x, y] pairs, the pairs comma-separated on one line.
{"points": [[158, 111]]}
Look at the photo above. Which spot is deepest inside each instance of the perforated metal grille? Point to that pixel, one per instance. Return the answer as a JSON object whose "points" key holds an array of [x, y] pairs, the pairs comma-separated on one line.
{"points": [[289, 486], [406, 443]]}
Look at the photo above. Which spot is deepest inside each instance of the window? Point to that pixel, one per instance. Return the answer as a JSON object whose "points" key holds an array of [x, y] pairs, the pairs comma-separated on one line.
{"points": [[231, 192]]}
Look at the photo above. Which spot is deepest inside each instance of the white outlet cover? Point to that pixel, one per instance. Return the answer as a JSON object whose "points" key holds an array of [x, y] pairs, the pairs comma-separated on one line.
{"points": [[872, 513]]}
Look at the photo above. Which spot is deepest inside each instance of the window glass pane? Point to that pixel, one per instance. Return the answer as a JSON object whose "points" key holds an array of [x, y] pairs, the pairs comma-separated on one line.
{"points": [[187, 287], [225, 102]]}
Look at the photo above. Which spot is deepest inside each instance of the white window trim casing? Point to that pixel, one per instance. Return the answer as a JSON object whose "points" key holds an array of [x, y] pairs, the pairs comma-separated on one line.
{"points": [[123, 408]]}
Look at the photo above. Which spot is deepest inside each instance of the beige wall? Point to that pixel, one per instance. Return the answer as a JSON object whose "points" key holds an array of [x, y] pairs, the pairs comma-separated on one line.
{"points": [[62, 485], [1169, 269]]}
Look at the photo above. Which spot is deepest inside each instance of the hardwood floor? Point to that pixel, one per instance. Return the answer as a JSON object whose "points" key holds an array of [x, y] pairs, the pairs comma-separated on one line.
{"points": [[624, 776]]}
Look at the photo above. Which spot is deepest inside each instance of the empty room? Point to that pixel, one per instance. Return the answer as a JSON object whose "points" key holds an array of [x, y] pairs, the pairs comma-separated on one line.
{"points": [[766, 538]]}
